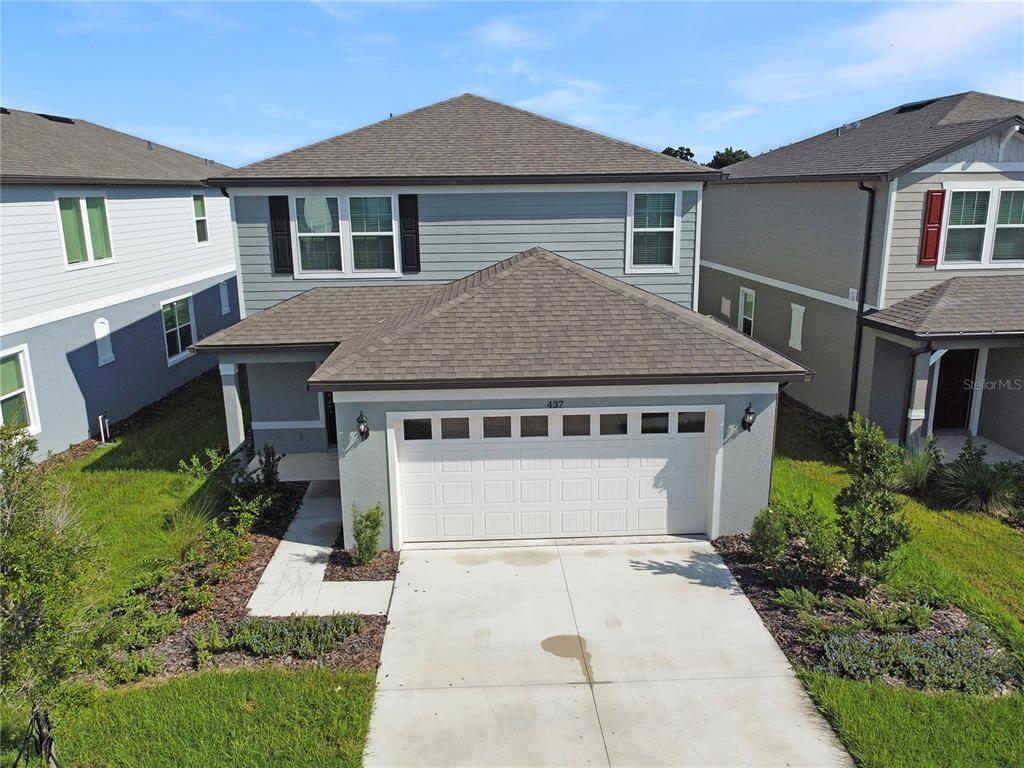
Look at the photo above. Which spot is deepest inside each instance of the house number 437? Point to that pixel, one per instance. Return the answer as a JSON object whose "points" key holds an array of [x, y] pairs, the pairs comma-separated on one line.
{"points": [[555, 403]]}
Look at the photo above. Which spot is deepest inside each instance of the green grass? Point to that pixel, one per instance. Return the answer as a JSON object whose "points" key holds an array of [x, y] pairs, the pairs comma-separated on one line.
{"points": [[966, 559], [240, 719], [128, 492]]}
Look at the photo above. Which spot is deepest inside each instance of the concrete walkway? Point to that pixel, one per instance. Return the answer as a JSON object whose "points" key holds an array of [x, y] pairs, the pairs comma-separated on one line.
{"points": [[613, 655], [293, 581]]}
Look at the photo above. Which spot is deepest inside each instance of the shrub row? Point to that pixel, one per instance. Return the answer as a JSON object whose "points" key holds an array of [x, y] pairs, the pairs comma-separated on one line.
{"points": [[305, 636]]}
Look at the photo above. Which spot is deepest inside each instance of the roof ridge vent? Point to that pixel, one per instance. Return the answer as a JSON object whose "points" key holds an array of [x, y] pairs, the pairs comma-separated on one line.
{"points": [[56, 118], [913, 106], [149, 145], [847, 127]]}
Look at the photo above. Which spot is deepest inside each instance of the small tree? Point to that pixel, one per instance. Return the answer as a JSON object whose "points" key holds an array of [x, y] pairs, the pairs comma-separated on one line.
{"points": [[683, 153], [366, 528], [727, 156], [869, 514]]}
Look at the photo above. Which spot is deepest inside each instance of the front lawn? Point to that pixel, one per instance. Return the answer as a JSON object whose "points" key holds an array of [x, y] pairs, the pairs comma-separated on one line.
{"points": [[974, 562]]}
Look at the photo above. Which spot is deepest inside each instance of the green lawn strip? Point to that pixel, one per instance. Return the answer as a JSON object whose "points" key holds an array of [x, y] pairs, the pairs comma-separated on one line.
{"points": [[293, 718], [884, 727]]}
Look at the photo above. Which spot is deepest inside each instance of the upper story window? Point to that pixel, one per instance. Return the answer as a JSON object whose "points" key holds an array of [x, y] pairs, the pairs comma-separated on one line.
{"points": [[199, 211], [319, 230], [85, 230], [179, 328], [983, 227], [353, 234], [16, 395], [653, 219], [373, 233], [746, 314]]}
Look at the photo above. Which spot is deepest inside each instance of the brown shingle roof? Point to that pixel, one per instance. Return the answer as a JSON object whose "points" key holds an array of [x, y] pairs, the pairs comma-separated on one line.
{"points": [[979, 305], [35, 148], [885, 144], [535, 317], [468, 138]]}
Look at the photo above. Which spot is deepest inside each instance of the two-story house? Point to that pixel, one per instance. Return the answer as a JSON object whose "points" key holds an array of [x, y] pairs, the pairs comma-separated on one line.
{"points": [[114, 259], [483, 319], [887, 255]]}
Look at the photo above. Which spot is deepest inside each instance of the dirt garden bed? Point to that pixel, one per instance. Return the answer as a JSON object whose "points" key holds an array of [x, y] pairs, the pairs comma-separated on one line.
{"points": [[341, 566]]}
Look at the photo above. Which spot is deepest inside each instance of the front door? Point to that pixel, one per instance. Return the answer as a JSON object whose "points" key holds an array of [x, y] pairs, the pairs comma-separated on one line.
{"points": [[953, 392]]}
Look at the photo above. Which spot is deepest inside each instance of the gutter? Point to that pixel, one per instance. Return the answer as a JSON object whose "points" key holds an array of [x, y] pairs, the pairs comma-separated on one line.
{"points": [[869, 221], [412, 181], [105, 182]]}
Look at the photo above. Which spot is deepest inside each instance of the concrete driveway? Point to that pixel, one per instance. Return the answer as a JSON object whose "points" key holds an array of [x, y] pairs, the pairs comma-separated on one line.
{"points": [[610, 654]]}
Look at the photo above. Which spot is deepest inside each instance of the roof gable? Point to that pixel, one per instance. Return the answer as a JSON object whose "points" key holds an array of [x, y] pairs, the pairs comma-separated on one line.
{"points": [[467, 137]]}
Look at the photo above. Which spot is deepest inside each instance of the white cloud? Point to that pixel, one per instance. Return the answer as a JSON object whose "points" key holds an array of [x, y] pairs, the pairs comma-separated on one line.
{"points": [[712, 121], [508, 33]]}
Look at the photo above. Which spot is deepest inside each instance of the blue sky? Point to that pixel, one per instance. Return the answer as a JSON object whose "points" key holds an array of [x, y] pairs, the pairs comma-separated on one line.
{"points": [[241, 81]]}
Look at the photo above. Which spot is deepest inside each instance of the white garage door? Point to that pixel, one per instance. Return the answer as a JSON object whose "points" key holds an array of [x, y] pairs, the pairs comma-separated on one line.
{"points": [[561, 473]]}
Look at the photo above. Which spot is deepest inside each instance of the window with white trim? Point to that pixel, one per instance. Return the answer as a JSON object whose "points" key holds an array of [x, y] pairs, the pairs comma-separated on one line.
{"points": [[85, 229], [199, 212], [746, 312], [796, 326], [1009, 237], [965, 225], [16, 405], [983, 226], [104, 347], [652, 243], [373, 234], [225, 298], [179, 328], [318, 226]]}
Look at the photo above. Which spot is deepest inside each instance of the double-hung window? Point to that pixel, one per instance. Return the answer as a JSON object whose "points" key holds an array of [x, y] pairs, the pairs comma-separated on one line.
{"points": [[965, 228], [351, 235], [199, 213], [179, 328], [983, 227], [373, 234], [318, 226], [85, 231], [746, 315], [652, 239], [1009, 239], [16, 405]]}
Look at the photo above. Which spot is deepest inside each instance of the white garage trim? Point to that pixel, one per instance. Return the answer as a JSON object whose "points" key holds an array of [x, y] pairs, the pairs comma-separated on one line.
{"points": [[714, 434]]}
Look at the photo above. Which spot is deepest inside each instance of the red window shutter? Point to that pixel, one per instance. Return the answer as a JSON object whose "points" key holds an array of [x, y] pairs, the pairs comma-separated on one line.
{"points": [[933, 206]]}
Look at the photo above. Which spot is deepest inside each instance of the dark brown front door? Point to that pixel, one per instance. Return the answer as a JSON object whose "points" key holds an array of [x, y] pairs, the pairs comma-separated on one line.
{"points": [[953, 392]]}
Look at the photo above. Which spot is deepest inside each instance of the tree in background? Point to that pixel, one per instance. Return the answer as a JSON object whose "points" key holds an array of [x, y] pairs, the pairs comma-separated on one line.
{"points": [[727, 156], [683, 153]]}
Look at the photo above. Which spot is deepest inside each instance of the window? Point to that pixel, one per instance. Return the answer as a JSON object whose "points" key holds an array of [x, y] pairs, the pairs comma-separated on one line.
{"points": [[455, 429], [613, 423], [746, 321], [319, 230], [654, 424], [690, 422], [225, 299], [178, 328], [16, 405], [1009, 240], [104, 349], [497, 426], [652, 240], [576, 425], [533, 426], [373, 234], [796, 326], [965, 226], [416, 429], [199, 209], [85, 232]]}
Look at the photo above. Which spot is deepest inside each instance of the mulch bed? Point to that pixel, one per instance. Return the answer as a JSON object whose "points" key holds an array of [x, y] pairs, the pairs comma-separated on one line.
{"points": [[340, 566]]}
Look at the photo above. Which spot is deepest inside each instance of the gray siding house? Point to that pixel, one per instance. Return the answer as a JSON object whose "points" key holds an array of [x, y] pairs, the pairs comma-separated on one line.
{"points": [[482, 319], [823, 248], [114, 258]]}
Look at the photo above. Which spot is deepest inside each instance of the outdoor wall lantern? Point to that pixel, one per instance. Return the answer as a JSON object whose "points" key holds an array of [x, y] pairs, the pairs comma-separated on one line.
{"points": [[362, 426], [748, 417]]}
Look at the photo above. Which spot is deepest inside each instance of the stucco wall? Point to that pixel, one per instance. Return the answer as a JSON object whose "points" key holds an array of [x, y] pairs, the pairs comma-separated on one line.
{"points": [[284, 412], [889, 382], [1002, 415]]}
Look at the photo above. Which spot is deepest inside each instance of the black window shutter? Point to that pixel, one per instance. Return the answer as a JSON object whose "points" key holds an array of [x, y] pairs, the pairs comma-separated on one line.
{"points": [[409, 225], [281, 234]]}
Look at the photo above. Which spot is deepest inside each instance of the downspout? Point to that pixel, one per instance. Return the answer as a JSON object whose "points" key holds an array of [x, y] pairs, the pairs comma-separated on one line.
{"points": [[869, 222]]}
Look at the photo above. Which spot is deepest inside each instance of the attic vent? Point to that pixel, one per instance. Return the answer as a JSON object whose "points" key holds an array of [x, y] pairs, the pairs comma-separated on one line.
{"points": [[4, 111], [913, 106], [149, 145], [847, 127], [56, 118]]}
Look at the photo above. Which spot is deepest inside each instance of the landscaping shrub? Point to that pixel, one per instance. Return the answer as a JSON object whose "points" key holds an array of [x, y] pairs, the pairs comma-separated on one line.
{"points": [[131, 624], [970, 483], [798, 599], [132, 666], [917, 467], [304, 636], [366, 528], [269, 468], [835, 434], [768, 535], [964, 662]]}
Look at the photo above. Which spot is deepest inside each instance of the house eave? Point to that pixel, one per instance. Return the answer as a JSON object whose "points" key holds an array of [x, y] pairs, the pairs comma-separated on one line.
{"points": [[410, 181], [25, 179]]}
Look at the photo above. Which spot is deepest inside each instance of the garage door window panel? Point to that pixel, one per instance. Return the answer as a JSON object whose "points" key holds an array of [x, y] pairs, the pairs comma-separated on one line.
{"points": [[417, 429], [533, 426], [455, 428], [691, 422], [576, 425], [614, 424], [654, 423], [497, 427]]}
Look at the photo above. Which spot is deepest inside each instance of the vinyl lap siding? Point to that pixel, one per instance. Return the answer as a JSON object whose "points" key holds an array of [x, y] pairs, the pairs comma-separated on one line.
{"points": [[461, 233], [987, 151]]}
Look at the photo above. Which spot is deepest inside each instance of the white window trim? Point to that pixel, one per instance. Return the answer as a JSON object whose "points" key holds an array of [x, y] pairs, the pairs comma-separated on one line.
{"points": [[89, 260], [184, 354], [796, 326], [677, 207], [995, 189], [225, 297], [348, 269], [101, 331], [206, 218], [21, 350], [740, 316]]}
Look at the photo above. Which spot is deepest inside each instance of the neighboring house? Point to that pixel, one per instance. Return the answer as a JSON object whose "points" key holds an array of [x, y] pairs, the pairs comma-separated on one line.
{"points": [[114, 259], [887, 255], [484, 317]]}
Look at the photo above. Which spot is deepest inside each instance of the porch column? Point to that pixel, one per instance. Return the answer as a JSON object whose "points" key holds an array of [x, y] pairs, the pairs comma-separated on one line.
{"points": [[232, 406], [979, 389], [917, 413]]}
